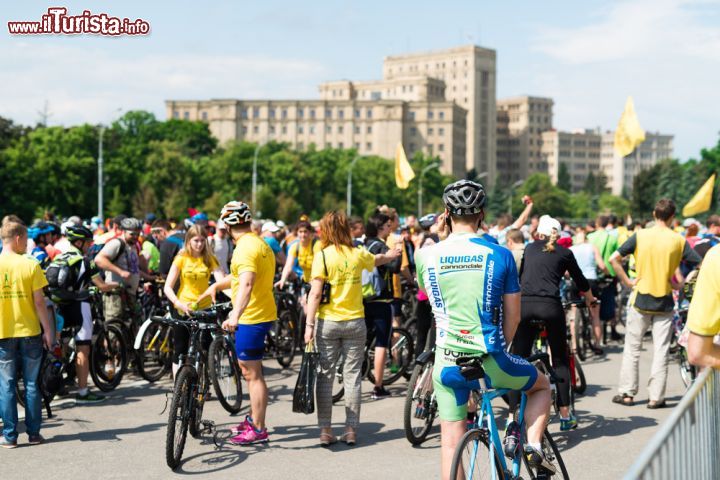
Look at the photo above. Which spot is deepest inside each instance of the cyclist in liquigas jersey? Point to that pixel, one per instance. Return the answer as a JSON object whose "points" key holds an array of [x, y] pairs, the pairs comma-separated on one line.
{"points": [[474, 293]]}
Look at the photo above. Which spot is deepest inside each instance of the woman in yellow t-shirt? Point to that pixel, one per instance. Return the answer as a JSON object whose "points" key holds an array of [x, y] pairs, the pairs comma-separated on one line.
{"points": [[193, 265], [301, 252], [340, 326]]}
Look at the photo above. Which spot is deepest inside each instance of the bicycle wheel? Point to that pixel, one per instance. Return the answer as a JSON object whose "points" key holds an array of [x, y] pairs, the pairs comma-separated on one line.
{"points": [[338, 390], [581, 325], [199, 392], [420, 404], [108, 358], [687, 371], [580, 383], [154, 357], [399, 359], [472, 458], [284, 338], [179, 417], [225, 375], [552, 454]]}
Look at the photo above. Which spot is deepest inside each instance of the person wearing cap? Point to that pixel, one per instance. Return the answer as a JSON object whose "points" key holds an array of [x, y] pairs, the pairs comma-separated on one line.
{"points": [[120, 260], [222, 246], [543, 267], [269, 233]]}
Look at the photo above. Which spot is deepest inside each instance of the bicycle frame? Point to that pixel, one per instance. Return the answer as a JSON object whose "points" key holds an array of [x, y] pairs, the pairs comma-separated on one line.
{"points": [[487, 418]]}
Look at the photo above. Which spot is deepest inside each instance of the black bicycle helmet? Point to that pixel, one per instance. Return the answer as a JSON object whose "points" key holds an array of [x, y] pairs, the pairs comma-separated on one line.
{"points": [[428, 221], [464, 197], [78, 233]]}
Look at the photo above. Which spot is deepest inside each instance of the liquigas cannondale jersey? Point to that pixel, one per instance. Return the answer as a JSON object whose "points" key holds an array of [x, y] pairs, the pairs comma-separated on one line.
{"points": [[465, 278]]}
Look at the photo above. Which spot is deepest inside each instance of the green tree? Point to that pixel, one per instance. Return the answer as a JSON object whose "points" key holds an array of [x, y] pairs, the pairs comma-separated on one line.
{"points": [[564, 182]]}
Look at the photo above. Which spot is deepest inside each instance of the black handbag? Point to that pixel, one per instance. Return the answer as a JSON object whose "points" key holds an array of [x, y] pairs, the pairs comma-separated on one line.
{"points": [[304, 393]]}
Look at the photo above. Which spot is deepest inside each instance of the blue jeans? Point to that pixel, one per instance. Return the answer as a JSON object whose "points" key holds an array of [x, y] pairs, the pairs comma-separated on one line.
{"points": [[27, 352]]}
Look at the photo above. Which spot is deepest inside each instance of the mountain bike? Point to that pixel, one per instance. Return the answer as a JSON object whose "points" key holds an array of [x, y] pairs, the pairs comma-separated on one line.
{"points": [[480, 453], [108, 351], [282, 341], [153, 345], [191, 386], [583, 333], [223, 366]]}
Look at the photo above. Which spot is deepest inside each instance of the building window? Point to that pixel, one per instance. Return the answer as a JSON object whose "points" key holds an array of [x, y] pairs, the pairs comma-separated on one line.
{"points": [[413, 131], [301, 113], [301, 145], [341, 114], [186, 115], [368, 114], [357, 130], [272, 128], [411, 147], [441, 115], [300, 129], [312, 129], [328, 113], [357, 113], [484, 78], [412, 115], [441, 131], [430, 114], [256, 112], [312, 113], [204, 115], [368, 146], [357, 145], [284, 129], [256, 129], [176, 114], [441, 147], [341, 145], [340, 129], [430, 131], [328, 129], [244, 129], [283, 114], [369, 129], [272, 112]]}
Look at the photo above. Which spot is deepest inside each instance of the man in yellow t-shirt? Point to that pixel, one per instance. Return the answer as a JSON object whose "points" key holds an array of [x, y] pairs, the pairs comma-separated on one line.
{"points": [[392, 240], [704, 315], [22, 311], [252, 270]]}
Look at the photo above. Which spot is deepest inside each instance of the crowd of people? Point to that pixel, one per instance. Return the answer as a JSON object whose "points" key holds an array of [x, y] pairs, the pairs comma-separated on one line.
{"points": [[480, 289]]}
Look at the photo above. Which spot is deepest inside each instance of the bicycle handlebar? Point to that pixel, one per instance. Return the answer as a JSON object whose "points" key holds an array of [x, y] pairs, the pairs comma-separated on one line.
{"points": [[545, 359]]}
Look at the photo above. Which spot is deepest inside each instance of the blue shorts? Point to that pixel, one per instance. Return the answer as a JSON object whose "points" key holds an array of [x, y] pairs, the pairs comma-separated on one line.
{"points": [[250, 340]]}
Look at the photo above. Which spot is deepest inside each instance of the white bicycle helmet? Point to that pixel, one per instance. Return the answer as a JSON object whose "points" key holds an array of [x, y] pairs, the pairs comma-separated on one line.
{"points": [[235, 213]]}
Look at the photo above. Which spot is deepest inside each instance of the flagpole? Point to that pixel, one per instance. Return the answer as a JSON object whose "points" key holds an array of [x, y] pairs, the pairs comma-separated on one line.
{"points": [[348, 208]]}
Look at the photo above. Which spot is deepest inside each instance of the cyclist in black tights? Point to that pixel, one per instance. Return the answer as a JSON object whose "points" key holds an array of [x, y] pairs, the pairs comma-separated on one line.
{"points": [[543, 266]]}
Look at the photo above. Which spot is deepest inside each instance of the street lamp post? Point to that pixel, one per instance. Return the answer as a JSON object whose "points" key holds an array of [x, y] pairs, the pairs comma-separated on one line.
{"points": [[100, 174], [420, 186], [348, 208], [513, 187], [254, 178]]}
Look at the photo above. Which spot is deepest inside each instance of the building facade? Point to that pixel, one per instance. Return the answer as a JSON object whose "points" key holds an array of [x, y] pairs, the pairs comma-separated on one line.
{"points": [[469, 75], [372, 127], [520, 123], [621, 171]]}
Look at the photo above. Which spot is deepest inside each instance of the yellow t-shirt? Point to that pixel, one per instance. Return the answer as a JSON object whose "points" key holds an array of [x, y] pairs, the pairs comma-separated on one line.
{"points": [[252, 254], [344, 273], [704, 314], [194, 278], [305, 256], [19, 278], [392, 240]]}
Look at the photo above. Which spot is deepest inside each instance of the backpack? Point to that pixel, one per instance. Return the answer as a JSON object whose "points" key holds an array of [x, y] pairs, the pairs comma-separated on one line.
{"points": [[373, 283], [60, 273], [95, 249]]}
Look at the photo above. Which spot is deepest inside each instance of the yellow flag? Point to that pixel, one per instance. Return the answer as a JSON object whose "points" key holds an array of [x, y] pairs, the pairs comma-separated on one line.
{"points": [[629, 133], [701, 201], [403, 171]]}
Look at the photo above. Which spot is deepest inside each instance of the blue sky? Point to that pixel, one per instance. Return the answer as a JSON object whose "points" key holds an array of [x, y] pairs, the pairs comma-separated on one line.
{"points": [[588, 56]]}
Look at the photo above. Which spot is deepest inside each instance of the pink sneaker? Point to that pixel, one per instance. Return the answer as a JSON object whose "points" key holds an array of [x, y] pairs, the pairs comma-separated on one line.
{"points": [[241, 427], [250, 436]]}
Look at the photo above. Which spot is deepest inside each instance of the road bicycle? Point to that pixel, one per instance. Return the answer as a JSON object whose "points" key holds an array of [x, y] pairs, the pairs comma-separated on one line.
{"points": [[283, 339], [421, 407], [481, 454], [223, 366]]}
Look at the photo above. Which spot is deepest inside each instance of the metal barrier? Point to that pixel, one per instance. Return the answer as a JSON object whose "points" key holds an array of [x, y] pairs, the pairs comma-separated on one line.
{"points": [[688, 444]]}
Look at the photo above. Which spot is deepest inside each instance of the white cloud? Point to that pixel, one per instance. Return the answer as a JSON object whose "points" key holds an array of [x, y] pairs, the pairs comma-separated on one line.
{"points": [[89, 85], [662, 52]]}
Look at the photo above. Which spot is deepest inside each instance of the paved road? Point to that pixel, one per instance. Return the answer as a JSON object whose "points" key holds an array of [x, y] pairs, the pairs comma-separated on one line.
{"points": [[125, 437]]}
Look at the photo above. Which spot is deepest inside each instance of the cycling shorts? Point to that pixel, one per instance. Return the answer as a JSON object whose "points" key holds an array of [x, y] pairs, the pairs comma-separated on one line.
{"points": [[378, 319], [78, 314], [250, 340], [452, 390]]}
